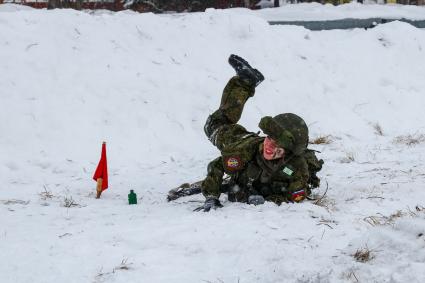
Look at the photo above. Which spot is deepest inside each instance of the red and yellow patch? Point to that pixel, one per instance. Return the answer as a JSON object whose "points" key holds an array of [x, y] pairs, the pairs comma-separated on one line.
{"points": [[232, 163], [298, 196]]}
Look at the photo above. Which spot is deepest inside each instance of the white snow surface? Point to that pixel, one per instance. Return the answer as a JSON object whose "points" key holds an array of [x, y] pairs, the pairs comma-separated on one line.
{"points": [[145, 84]]}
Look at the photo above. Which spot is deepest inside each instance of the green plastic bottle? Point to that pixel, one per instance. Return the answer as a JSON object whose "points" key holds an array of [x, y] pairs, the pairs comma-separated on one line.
{"points": [[132, 197]]}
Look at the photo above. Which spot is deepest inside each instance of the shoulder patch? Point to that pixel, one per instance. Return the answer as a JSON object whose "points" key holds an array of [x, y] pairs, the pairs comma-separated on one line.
{"points": [[233, 163], [288, 171]]}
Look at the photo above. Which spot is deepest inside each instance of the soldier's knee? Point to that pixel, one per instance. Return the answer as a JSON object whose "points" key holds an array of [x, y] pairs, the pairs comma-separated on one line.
{"points": [[214, 122]]}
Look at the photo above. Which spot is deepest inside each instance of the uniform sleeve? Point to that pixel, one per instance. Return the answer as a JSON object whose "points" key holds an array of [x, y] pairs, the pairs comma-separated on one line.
{"points": [[300, 178], [212, 183]]}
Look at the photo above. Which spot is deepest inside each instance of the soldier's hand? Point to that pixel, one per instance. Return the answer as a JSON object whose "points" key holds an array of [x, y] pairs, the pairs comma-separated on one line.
{"points": [[209, 203]]}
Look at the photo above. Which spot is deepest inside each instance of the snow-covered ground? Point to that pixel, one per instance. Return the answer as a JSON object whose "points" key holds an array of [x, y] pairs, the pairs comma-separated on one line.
{"points": [[145, 84]]}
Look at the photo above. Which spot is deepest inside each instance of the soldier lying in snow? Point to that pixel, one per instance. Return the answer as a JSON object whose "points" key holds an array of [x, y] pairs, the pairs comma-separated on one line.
{"points": [[277, 168]]}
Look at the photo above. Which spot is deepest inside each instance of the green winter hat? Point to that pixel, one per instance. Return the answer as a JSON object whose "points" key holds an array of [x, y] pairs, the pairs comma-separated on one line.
{"points": [[288, 130]]}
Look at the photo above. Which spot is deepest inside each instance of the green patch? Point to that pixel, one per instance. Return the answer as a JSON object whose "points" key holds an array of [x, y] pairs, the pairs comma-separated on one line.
{"points": [[288, 171]]}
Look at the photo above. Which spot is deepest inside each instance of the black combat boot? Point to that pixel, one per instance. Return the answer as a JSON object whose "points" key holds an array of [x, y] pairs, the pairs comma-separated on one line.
{"points": [[185, 189], [245, 71]]}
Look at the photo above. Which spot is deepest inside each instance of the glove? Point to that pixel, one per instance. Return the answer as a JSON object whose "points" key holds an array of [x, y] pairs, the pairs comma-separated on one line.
{"points": [[209, 203], [256, 199]]}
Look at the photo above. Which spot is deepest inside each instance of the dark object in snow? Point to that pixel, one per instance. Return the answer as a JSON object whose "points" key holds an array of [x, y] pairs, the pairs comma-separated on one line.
{"points": [[132, 197], [363, 255], [256, 200]]}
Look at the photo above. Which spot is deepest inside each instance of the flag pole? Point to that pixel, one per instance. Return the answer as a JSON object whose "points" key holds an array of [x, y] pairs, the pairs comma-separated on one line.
{"points": [[99, 187]]}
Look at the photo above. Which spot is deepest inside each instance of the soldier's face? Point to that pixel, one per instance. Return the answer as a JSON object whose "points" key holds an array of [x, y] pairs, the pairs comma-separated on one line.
{"points": [[271, 151]]}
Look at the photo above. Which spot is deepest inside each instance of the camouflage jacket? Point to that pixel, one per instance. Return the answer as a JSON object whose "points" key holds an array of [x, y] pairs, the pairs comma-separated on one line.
{"points": [[251, 174]]}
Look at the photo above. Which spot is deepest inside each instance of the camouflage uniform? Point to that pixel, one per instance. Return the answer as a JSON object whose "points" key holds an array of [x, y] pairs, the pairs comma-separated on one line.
{"points": [[241, 152]]}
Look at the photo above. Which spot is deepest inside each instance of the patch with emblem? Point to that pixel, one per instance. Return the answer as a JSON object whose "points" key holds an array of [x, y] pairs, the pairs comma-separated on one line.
{"points": [[298, 196], [233, 163], [288, 171]]}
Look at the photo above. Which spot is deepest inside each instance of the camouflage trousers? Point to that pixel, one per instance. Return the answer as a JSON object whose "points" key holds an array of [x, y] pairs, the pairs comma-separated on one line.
{"points": [[222, 129]]}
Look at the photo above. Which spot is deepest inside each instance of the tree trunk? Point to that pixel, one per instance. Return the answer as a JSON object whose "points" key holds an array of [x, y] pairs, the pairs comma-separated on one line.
{"points": [[53, 4], [78, 4]]}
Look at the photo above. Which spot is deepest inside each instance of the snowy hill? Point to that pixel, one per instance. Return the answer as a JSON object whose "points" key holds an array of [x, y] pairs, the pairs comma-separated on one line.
{"points": [[145, 84]]}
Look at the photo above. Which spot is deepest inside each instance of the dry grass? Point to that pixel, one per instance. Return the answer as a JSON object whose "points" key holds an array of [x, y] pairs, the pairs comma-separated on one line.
{"points": [[327, 222], [322, 140], [323, 200], [326, 203], [349, 157], [380, 219], [378, 129], [14, 201], [352, 274], [69, 202], [124, 265], [419, 208], [46, 194], [363, 255], [410, 140]]}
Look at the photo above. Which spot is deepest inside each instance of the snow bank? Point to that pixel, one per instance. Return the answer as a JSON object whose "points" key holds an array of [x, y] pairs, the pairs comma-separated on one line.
{"points": [[145, 84], [14, 8]]}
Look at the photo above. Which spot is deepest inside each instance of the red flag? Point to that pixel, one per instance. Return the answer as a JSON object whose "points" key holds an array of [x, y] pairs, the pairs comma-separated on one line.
{"points": [[102, 169]]}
